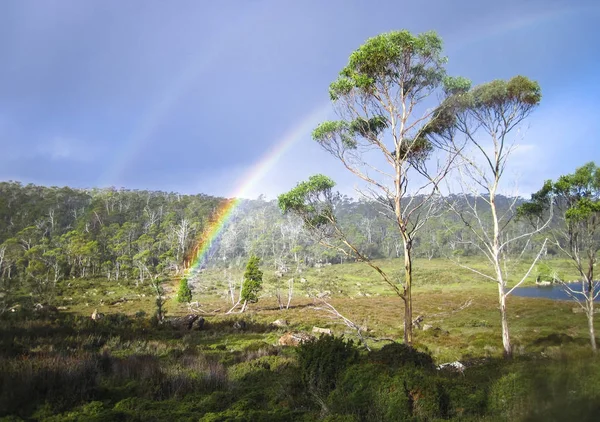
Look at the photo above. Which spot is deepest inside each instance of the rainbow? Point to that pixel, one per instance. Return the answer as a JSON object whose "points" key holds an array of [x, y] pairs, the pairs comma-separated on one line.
{"points": [[257, 173]]}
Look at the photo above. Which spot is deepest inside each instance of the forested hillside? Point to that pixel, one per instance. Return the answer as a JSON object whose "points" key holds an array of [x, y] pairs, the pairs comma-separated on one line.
{"points": [[48, 234]]}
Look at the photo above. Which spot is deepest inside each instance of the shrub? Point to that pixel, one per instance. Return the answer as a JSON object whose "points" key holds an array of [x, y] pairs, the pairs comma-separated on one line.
{"points": [[509, 396], [396, 355], [321, 361], [369, 391]]}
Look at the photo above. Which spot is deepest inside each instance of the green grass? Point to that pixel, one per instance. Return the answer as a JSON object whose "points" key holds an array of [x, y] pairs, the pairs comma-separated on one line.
{"points": [[136, 369]]}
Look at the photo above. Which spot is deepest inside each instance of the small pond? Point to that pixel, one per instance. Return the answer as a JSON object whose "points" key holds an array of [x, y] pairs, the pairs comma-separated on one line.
{"points": [[555, 291]]}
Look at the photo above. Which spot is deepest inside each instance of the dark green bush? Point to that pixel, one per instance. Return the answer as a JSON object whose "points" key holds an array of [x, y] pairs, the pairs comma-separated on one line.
{"points": [[396, 355], [322, 360], [369, 391]]}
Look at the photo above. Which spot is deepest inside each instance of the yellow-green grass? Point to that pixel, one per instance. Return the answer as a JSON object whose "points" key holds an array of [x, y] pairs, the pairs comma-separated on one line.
{"points": [[441, 288]]}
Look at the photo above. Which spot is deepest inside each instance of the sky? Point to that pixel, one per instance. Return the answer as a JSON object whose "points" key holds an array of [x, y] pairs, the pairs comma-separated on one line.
{"points": [[220, 97]]}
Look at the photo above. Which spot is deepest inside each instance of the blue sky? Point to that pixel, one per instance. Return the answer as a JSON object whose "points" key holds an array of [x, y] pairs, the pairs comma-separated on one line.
{"points": [[189, 96]]}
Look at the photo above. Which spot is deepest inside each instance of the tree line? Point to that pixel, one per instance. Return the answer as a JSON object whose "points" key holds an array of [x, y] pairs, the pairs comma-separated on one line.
{"points": [[48, 234]]}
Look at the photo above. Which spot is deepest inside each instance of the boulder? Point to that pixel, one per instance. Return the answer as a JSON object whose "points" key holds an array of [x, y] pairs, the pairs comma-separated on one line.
{"points": [[187, 321], [279, 323], [453, 366], [319, 330], [294, 338], [184, 322], [44, 308], [198, 324], [427, 327]]}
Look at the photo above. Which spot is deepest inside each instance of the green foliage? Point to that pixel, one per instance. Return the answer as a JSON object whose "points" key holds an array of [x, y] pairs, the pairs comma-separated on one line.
{"points": [[496, 104], [392, 58], [538, 204], [252, 280], [509, 395], [184, 294], [312, 200], [397, 355], [374, 392], [322, 360], [500, 94], [456, 85], [576, 197]]}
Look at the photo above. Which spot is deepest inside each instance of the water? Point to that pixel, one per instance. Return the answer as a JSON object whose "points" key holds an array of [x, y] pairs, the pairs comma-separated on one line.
{"points": [[554, 292]]}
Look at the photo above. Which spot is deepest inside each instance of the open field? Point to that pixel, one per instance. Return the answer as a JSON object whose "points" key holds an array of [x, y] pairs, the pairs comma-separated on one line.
{"points": [[441, 288], [67, 367]]}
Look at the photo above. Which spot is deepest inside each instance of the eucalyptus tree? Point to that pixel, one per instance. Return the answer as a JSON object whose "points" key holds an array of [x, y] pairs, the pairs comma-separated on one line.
{"points": [[478, 123], [385, 100], [576, 200]]}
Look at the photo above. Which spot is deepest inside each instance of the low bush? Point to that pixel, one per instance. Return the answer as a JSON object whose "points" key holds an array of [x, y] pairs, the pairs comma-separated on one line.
{"points": [[321, 361]]}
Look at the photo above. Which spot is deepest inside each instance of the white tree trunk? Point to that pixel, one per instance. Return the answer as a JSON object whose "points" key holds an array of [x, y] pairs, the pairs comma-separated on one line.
{"points": [[590, 318]]}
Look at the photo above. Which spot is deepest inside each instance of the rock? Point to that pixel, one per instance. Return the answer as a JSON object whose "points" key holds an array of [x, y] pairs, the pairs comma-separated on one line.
{"points": [[45, 308], [294, 338], [62, 308], [280, 323], [427, 327], [198, 324], [302, 280], [543, 283], [182, 323], [96, 316], [453, 366], [188, 320], [324, 294], [240, 325], [319, 330]]}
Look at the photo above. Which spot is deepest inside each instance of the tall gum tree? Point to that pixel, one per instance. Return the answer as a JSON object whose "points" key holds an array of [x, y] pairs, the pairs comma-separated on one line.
{"points": [[576, 201], [381, 98], [478, 123]]}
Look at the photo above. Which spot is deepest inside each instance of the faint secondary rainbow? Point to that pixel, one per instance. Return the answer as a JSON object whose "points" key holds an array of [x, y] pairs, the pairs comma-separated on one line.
{"points": [[258, 171]]}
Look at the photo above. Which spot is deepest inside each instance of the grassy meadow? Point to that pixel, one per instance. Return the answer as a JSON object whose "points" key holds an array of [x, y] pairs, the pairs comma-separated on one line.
{"points": [[63, 366]]}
